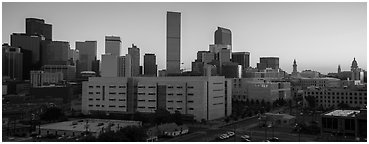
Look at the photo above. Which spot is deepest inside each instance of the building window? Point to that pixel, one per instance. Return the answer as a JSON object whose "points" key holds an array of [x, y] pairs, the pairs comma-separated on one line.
{"points": [[141, 86], [121, 86], [98, 99], [179, 87], [169, 94], [142, 107], [122, 106], [190, 108], [90, 105], [190, 87], [122, 93], [218, 90], [97, 86], [112, 99], [97, 105], [151, 107], [111, 105], [90, 86], [151, 93], [122, 100], [190, 101], [90, 92], [190, 94], [152, 100], [90, 99], [141, 93], [179, 101], [151, 86], [102, 105], [218, 83], [222, 96], [217, 103], [170, 100], [112, 93], [170, 108], [179, 94], [141, 100], [112, 86], [170, 86], [179, 108], [97, 92]]}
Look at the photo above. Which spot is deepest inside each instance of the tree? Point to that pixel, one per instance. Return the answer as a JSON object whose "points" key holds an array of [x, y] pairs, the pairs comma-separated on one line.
{"points": [[252, 102], [257, 102], [343, 106], [52, 114], [227, 119], [311, 101], [262, 102], [126, 134], [162, 116], [177, 117]]}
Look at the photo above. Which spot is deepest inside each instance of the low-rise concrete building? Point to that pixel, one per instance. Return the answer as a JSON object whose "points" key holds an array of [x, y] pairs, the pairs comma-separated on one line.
{"points": [[80, 127]]}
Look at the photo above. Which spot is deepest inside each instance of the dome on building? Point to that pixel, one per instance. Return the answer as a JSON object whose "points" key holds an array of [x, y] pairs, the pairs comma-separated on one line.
{"points": [[354, 65]]}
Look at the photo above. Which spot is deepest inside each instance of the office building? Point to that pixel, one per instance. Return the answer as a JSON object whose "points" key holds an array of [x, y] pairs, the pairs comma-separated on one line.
{"points": [[41, 78], [96, 67], [73, 56], [231, 70], [173, 42], [69, 71], [12, 62], [150, 67], [87, 54], [112, 45], [109, 65], [244, 89], [268, 62], [134, 51], [347, 125], [223, 36], [30, 47], [36, 26], [125, 66], [332, 97], [242, 58], [266, 73], [56, 53], [205, 98], [309, 74]]}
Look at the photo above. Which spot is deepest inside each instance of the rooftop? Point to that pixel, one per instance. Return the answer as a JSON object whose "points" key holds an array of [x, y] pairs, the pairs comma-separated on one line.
{"points": [[343, 113], [93, 125]]}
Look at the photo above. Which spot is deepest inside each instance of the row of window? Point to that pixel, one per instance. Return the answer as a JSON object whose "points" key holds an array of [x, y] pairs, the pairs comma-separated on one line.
{"points": [[218, 104], [328, 97], [170, 108], [142, 107], [112, 93], [111, 99], [111, 106], [338, 93], [147, 100], [111, 86], [351, 102], [148, 93]]}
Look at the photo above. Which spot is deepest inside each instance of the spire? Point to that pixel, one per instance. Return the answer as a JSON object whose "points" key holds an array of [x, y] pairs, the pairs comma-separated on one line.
{"points": [[339, 68], [354, 65]]}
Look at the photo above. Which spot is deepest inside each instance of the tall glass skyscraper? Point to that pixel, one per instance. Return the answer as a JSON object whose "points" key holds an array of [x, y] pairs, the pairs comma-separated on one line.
{"points": [[223, 36], [173, 42]]}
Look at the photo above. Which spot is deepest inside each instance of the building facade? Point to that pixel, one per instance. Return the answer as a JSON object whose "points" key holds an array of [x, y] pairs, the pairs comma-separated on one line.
{"points": [[268, 62], [112, 45], [69, 72], [56, 53], [125, 66], [109, 65], [242, 58], [36, 26], [12, 62], [173, 42], [41, 78], [223, 36], [134, 52], [204, 97], [150, 67], [244, 89], [87, 54]]}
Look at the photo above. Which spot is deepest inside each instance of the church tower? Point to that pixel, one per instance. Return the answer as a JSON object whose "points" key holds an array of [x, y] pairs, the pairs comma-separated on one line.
{"points": [[339, 69], [294, 72]]}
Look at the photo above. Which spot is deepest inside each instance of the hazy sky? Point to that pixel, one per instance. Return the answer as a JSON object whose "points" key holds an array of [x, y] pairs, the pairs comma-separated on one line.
{"points": [[320, 36]]}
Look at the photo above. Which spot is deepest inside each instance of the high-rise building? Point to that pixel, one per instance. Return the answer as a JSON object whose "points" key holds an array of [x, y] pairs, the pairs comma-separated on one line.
{"points": [[173, 42], [30, 47], [134, 51], [223, 36], [125, 66], [96, 67], [113, 45], [73, 56], [268, 62], [36, 26], [242, 58], [41, 78], [87, 54], [56, 53], [12, 62], [150, 67], [109, 65]]}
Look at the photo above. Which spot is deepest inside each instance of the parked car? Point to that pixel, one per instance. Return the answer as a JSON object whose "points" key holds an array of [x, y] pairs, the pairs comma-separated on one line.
{"points": [[274, 139], [223, 136], [246, 140], [245, 137], [230, 134]]}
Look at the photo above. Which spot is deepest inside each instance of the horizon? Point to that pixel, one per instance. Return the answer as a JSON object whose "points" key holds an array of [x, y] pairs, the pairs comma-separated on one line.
{"points": [[263, 29]]}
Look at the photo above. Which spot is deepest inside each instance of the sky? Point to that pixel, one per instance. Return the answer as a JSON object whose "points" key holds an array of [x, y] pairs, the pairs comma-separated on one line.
{"points": [[320, 36]]}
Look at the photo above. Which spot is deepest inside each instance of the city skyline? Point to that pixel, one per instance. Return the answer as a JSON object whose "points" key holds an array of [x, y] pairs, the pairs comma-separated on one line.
{"points": [[287, 30]]}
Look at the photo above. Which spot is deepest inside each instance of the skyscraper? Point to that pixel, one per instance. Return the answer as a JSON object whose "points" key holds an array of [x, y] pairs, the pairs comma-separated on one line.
{"points": [[87, 54], [109, 65], [150, 67], [242, 58], [134, 51], [56, 53], [112, 45], [30, 47], [125, 66], [36, 26], [173, 42], [12, 62], [223, 36]]}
